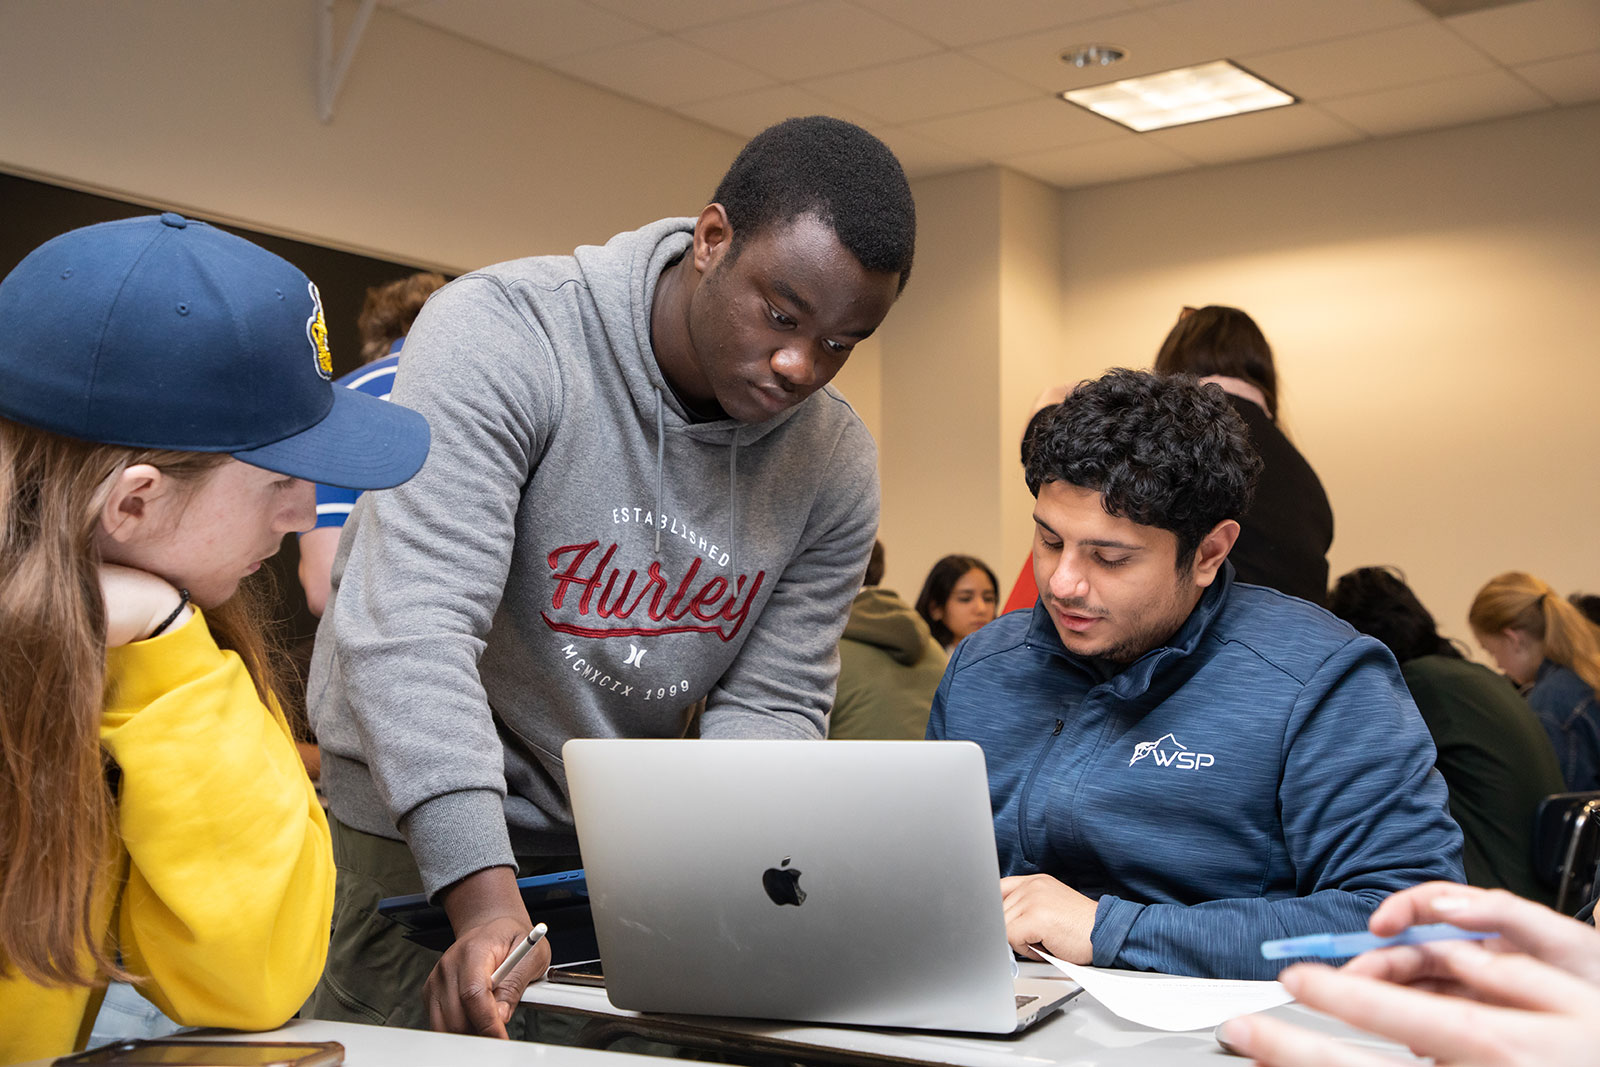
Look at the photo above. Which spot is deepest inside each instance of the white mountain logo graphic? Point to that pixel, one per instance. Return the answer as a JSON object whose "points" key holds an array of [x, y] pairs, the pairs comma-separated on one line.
{"points": [[1168, 752]]}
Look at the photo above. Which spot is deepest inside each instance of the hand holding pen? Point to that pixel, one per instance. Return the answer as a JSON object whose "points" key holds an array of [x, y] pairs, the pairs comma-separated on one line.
{"points": [[1346, 946], [502, 972], [1530, 995], [463, 994]]}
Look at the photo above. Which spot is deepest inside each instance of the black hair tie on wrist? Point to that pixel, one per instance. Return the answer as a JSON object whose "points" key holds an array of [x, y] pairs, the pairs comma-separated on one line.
{"points": [[183, 602]]}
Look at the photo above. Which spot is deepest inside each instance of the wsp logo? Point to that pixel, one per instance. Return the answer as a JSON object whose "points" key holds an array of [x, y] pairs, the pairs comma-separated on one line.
{"points": [[1167, 752]]}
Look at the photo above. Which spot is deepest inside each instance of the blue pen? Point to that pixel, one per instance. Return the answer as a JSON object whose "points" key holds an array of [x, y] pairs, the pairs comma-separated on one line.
{"points": [[1340, 946]]}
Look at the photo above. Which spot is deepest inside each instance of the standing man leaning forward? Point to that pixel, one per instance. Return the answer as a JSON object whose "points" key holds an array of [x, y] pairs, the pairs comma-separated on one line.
{"points": [[641, 497], [1182, 766]]}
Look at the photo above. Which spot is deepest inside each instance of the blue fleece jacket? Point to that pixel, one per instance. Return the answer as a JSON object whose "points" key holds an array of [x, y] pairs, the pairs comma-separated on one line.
{"points": [[1570, 713], [1264, 774]]}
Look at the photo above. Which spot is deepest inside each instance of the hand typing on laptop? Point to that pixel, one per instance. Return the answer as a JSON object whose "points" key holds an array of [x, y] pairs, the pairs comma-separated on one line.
{"points": [[1530, 997], [1041, 910]]}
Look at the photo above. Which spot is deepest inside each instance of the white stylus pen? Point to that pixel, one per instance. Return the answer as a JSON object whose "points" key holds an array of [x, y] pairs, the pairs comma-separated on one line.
{"points": [[524, 946]]}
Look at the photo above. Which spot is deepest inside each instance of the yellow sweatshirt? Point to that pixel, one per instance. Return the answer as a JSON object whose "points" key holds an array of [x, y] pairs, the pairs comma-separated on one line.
{"points": [[229, 889]]}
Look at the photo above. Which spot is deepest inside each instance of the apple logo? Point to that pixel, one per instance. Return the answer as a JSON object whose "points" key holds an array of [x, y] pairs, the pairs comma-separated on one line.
{"points": [[782, 884]]}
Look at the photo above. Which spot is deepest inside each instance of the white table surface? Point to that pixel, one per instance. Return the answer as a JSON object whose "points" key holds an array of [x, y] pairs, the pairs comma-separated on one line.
{"points": [[388, 1046], [1082, 1034]]}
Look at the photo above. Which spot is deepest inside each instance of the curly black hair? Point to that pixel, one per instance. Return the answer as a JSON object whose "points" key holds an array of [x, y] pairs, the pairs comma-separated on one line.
{"points": [[1161, 450], [832, 169], [1378, 602]]}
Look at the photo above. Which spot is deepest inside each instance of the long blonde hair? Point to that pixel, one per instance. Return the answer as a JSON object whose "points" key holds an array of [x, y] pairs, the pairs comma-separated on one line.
{"points": [[1518, 601], [57, 808]]}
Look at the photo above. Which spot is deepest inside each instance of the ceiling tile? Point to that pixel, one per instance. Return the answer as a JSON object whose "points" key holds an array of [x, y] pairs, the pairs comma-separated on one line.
{"points": [[1104, 161], [1254, 136], [923, 158], [1534, 29], [1405, 56], [747, 114], [962, 22], [538, 32], [1018, 128], [1036, 57], [1569, 80], [661, 70], [811, 39], [670, 16], [1227, 29], [941, 84], [1447, 102]]}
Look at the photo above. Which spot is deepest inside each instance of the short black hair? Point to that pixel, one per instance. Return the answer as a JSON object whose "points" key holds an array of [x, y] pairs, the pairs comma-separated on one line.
{"points": [[1378, 602], [875, 564], [1588, 603], [832, 169], [1161, 450]]}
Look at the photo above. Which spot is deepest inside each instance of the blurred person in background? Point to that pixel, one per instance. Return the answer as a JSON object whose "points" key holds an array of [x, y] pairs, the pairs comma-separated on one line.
{"points": [[1552, 652], [1492, 751], [959, 596], [386, 318], [1285, 536], [889, 666], [1589, 604]]}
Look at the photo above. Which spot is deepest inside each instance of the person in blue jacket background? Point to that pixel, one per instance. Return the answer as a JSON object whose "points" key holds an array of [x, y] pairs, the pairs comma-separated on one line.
{"points": [[1181, 765]]}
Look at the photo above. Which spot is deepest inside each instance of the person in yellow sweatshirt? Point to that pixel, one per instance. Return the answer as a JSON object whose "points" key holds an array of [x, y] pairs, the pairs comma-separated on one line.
{"points": [[165, 406]]}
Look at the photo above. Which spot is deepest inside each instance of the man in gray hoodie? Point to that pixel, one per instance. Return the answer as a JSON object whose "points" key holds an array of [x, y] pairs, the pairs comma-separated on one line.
{"points": [[642, 496]]}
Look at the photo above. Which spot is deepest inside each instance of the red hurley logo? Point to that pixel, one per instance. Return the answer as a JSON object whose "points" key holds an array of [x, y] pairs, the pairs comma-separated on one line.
{"points": [[707, 609]]}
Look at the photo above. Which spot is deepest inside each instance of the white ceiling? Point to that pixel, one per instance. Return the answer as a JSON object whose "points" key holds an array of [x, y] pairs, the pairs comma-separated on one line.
{"points": [[953, 84]]}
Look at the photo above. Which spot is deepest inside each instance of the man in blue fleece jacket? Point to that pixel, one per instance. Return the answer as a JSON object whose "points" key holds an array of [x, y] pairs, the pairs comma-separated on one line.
{"points": [[1182, 766]]}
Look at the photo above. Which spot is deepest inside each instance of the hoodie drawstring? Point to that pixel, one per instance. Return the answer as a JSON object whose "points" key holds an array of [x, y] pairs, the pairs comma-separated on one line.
{"points": [[733, 503], [661, 452], [733, 485]]}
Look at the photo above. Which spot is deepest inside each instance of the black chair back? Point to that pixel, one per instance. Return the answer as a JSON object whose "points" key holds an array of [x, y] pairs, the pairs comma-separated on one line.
{"points": [[1566, 846]]}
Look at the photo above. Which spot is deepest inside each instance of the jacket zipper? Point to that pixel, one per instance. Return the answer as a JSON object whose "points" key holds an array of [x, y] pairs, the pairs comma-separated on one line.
{"points": [[1027, 791]]}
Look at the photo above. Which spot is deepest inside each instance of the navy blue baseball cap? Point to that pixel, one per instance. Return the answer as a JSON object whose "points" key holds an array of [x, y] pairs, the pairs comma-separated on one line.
{"points": [[164, 332]]}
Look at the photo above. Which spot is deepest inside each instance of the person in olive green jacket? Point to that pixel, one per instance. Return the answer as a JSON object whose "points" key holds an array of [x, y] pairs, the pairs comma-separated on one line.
{"points": [[889, 666], [1493, 754]]}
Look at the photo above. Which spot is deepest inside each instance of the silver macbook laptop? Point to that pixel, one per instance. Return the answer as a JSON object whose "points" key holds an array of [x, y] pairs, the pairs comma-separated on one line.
{"points": [[830, 881]]}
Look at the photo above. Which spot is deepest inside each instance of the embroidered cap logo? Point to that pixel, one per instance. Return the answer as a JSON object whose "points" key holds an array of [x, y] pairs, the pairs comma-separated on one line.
{"points": [[317, 334]]}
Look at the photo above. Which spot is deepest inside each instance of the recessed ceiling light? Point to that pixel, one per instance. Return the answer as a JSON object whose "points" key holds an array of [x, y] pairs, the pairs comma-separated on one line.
{"points": [[1093, 55], [1175, 97]]}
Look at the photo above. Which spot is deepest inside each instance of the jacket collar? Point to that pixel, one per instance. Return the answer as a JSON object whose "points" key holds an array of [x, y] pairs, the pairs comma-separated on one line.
{"points": [[1137, 676]]}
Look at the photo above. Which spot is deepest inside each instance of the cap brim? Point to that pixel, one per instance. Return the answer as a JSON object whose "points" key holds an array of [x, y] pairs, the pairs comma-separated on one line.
{"points": [[363, 443]]}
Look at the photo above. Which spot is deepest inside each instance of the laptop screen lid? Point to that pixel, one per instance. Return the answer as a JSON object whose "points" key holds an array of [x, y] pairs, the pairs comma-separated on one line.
{"points": [[840, 881]]}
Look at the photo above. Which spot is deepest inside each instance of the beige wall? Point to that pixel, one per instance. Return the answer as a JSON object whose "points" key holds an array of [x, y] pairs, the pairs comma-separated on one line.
{"points": [[969, 345], [440, 152], [1431, 303], [1031, 343], [940, 353]]}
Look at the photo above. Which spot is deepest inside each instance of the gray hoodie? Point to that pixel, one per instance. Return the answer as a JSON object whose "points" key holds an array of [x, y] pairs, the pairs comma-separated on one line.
{"points": [[575, 559]]}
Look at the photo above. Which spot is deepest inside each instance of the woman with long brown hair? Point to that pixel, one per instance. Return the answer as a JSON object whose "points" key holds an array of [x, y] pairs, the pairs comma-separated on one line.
{"points": [[1285, 535], [164, 404], [1548, 648]]}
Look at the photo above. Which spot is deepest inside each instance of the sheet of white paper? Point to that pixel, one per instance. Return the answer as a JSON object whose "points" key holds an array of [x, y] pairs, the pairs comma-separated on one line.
{"points": [[1169, 1001]]}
